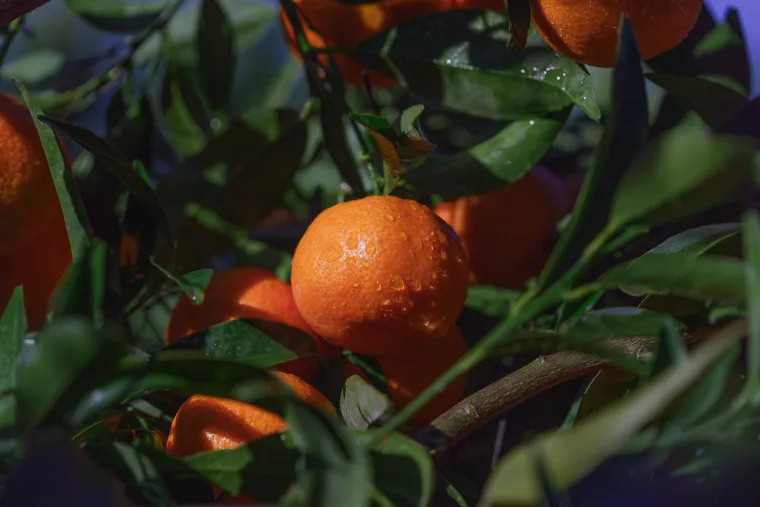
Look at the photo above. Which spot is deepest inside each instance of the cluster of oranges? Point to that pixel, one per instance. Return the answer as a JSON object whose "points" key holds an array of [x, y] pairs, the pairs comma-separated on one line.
{"points": [[583, 31]]}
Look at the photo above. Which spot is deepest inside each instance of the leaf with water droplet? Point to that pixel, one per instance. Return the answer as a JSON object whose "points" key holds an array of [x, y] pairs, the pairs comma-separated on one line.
{"points": [[193, 284]]}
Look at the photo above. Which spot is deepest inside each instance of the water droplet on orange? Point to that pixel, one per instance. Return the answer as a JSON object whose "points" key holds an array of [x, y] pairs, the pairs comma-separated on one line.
{"points": [[441, 237], [404, 309], [371, 248], [378, 286], [432, 233], [365, 263], [410, 303], [397, 283], [352, 242], [404, 236], [399, 298], [434, 275], [385, 302], [355, 284], [417, 285], [390, 218], [444, 255]]}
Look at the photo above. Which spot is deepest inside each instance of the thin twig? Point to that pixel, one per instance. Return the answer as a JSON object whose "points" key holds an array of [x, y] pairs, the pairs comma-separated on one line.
{"points": [[531, 380]]}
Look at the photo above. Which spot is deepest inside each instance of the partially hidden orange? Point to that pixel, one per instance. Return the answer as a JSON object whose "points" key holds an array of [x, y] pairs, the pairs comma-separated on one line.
{"points": [[331, 23], [206, 423], [505, 232], [410, 372], [375, 274], [247, 292], [587, 31]]}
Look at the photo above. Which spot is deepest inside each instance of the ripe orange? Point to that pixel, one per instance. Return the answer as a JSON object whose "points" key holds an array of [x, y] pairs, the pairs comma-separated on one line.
{"points": [[374, 274], [205, 423], [410, 372], [39, 265], [505, 232], [28, 201], [245, 292], [332, 23], [588, 31]]}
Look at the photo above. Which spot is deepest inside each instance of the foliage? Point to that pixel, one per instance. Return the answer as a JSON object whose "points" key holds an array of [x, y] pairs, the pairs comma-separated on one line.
{"points": [[663, 244]]}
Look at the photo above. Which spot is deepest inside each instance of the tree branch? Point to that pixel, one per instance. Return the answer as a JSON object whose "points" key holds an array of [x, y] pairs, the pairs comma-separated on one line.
{"points": [[532, 379]]}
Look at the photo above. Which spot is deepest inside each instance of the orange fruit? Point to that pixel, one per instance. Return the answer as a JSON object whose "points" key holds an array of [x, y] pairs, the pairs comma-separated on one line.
{"points": [[206, 423], [376, 274], [28, 200], [505, 232], [332, 23], [587, 31], [410, 372], [246, 292], [38, 265]]}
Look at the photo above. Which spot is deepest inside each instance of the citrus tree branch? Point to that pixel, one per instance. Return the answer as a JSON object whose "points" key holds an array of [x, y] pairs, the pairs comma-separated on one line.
{"points": [[531, 380]]}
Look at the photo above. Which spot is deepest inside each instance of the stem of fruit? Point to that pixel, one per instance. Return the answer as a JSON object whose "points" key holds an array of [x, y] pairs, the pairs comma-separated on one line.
{"points": [[524, 310]]}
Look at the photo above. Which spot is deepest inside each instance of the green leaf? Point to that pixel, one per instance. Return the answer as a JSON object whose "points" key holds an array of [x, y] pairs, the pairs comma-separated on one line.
{"points": [[403, 470], [751, 229], [459, 59], [216, 54], [361, 404], [570, 455], [686, 170], [669, 349], [491, 301], [375, 123], [264, 469], [409, 117], [709, 277], [490, 165], [711, 100], [258, 342], [720, 37], [12, 332], [193, 284], [61, 353], [83, 289], [617, 322], [698, 241], [137, 470], [623, 137], [119, 16], [74, 214], [184, 113], [119, 166], [332, 469]]}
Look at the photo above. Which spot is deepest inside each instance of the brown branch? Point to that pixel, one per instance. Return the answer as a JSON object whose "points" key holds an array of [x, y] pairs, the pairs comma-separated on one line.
{"points": [[532, 379]]}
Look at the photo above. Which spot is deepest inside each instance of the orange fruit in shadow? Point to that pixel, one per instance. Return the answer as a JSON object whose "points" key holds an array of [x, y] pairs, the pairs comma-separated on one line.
{"points": [[39, 265], [374, 274], [28, 200], [333, 24], [505, 232], [587, 31], [246, 292], [206, 423], [410, 372]]}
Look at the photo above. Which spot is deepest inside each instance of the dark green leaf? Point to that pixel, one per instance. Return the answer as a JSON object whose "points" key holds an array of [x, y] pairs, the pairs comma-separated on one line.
{"points": [[61, 353], [490, 165], [361, 404], [618, 322], [669, 349], [698, 402], [623, 137], [491, 301], [194, 286], [216, 54], [518, 13], [711, 100], [698, 241], [119, 166], [184, 114], [12, 331], [608, 386], [686, 170], [570, 455], [751, 230], [376, 123], [118, 15], [258, 342], [720, 37], [263, 469], [402, 468], [74, 214], [409, 117], [134, 468], [720, 279], [333, 470], [82, 291], [459, 59]]}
